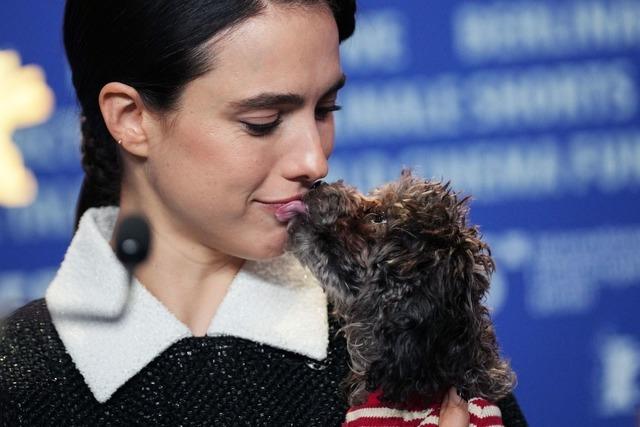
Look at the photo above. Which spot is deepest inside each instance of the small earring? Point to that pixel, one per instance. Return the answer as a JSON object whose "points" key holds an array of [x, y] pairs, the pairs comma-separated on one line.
{"points": [[119, 142]]}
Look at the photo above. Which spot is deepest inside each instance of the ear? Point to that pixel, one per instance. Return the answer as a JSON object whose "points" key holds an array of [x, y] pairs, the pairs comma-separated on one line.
{"points": [[123, 112]]}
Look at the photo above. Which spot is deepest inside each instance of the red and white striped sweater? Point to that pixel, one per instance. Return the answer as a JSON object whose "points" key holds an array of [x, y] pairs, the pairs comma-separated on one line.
{"points": [[373, 413]]}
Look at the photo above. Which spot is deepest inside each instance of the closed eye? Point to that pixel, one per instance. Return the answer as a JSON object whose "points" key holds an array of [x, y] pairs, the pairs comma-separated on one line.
{"points": [[262, 129]]}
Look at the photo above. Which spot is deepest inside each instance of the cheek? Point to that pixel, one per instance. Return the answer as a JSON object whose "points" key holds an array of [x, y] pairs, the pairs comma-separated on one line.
{"points": [[193, 169], [216, 157]]}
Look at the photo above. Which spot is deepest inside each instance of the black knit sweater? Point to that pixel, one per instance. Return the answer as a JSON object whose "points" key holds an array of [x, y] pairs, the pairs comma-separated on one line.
{"points": [[213, 380]]}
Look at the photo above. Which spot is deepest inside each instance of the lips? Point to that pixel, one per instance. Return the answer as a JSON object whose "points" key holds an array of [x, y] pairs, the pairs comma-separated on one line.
{"points": [[290, 209]]}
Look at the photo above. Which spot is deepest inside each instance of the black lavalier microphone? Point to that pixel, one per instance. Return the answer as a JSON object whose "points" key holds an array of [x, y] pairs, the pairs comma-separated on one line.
{"points": [[133, 242], [133, 239]]}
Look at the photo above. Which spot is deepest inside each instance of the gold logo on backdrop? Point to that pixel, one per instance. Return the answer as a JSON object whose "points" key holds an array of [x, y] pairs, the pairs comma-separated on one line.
{"points": [[25, 100]]}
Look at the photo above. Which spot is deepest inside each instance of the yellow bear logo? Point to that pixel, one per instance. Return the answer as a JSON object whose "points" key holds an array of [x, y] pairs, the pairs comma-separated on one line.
{"points": [[25, 100]]}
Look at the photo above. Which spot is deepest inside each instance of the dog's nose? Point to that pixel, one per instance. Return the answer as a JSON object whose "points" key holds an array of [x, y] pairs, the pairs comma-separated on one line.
{"points": [[317, 184]]}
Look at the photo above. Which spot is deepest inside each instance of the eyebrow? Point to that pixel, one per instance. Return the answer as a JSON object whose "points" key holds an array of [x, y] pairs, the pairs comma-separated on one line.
{"points": [[270, 100]]}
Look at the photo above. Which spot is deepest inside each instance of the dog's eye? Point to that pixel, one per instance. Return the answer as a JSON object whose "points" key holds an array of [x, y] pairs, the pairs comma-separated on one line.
{"points": [[377, 218]]}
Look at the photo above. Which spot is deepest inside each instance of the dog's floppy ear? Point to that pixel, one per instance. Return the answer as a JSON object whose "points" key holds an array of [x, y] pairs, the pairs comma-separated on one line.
{"points": [[473, 359], [429, 337], [433, 330]]}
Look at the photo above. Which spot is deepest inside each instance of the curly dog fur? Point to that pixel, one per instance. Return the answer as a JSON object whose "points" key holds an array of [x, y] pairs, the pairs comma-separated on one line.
{"points": [[407, 275]]}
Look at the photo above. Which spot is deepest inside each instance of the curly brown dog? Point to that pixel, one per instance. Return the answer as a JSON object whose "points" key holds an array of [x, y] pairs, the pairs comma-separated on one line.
{"points": [[407, 275]]}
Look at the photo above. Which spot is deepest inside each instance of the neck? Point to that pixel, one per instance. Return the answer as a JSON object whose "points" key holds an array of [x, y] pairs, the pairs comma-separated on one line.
{"points": [[190, 289], [189, 278]]}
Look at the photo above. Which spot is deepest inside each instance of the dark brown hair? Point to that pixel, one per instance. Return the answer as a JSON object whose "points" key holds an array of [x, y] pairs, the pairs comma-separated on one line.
{"points": [[155, 46]]}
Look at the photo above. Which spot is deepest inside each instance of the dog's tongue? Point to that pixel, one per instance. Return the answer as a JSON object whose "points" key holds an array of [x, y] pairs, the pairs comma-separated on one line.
{"points": [[287, 211]]}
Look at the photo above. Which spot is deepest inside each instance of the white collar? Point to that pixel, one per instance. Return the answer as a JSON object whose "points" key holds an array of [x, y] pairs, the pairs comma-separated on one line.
{"points": [[275, 302]]}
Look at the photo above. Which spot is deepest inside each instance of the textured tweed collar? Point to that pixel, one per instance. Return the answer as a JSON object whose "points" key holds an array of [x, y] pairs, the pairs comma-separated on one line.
{"points": [[275, 302]]}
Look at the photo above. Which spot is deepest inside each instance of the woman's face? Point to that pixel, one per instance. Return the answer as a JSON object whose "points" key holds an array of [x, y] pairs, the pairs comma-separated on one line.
{"points": [[254, 131]]}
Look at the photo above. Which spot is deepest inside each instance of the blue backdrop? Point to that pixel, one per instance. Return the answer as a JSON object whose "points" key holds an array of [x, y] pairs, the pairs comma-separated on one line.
{"points": [[529, 106]]}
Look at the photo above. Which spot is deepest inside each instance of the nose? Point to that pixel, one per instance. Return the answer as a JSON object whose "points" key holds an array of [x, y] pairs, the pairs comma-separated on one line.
{"points": [[307, 158]]}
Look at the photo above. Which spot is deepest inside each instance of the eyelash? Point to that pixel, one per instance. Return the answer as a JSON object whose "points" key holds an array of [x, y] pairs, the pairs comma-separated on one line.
{"points": [[323, 112], [262, 129], [265, 129]]}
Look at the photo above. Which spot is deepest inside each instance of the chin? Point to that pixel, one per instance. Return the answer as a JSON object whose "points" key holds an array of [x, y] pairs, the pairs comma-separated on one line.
{"points": [[271, 246]]}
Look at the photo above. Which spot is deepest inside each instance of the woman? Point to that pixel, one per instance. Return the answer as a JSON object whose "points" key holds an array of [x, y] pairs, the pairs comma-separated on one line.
{"points": [[207, 117]]}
